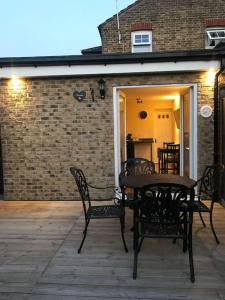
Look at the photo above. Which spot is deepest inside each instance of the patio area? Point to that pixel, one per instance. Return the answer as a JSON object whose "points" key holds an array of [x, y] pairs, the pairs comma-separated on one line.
{"points": [[39, 260]]}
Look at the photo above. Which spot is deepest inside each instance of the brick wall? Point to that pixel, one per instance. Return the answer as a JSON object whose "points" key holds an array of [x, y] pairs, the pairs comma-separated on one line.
{"points": [[45, 131], [176, 24], [222, 79]]}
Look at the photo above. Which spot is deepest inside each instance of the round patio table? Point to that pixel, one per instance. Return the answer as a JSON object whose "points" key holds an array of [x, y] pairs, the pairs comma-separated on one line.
{"points": [[139, 181]]}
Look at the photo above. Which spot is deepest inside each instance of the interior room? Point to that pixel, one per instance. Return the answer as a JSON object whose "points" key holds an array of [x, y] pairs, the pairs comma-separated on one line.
{"points": [[154, 120]]}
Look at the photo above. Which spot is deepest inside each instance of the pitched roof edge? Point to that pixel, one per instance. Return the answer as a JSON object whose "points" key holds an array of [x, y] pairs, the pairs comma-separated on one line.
{"points": [[120, 12], [92, 50]]}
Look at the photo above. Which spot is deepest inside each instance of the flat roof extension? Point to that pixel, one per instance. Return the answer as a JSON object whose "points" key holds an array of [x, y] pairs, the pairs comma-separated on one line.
{"points": [[104, 59]]}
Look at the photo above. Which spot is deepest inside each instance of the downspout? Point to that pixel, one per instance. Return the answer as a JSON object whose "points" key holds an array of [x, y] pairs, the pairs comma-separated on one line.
{"points": [[217, 114], [218, 194]]}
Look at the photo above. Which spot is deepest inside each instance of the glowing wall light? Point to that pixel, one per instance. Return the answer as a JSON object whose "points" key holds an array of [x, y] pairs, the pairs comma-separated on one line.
{"points": [[16, 84], [210, 76]]}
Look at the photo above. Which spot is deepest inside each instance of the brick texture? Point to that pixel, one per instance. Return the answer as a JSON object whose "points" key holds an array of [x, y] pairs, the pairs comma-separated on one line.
{"points": [[177, 24], [215, 22], [141, 26], [45, 131]]}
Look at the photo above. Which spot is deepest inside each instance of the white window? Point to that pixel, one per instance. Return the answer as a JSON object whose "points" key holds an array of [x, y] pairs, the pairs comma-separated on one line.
{"points": [[141, 41], [214, 36]]}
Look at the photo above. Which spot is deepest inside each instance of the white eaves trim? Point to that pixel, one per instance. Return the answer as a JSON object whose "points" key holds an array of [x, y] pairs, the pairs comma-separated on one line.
{"points": [[81, 70]]}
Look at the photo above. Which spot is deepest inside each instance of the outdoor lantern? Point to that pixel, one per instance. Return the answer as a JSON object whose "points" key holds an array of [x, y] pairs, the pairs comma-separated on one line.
{"points": [[101, 84]]}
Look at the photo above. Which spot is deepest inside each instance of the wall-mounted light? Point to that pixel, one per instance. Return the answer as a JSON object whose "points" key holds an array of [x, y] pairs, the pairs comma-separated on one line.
{"points": [[16, 84], [210, 76], [101, 84]]}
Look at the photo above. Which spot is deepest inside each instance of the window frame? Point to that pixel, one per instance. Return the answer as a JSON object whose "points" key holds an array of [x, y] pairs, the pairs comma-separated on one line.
{"points": [[135, 45], [208, 37], [216, 31]]}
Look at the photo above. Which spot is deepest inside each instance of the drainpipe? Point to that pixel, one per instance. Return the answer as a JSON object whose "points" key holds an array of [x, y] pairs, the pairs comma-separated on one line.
{"points": [[217, 114], [218, 119]]}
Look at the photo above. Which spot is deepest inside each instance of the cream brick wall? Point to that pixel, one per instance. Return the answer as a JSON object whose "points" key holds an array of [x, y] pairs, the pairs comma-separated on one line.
{"points": [[45, 131], [176, 24]]}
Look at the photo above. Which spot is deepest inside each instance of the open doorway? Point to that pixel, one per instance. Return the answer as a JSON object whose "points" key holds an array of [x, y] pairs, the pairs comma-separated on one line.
{"points": [[154, 118]]}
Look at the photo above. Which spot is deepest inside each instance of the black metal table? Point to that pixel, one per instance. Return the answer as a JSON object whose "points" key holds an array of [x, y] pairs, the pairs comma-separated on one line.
{"points": [[138, 181]]}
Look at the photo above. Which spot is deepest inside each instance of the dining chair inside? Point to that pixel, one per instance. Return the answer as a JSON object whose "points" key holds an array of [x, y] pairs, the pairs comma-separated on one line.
{"points": [[164, 211], [165, 144], [106, 211], [169, 159]]}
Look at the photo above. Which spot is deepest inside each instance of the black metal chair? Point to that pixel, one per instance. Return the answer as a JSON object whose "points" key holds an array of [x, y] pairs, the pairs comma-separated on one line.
{"points": [[164, 211], [207, 191], [135, 166], [115, 210]]}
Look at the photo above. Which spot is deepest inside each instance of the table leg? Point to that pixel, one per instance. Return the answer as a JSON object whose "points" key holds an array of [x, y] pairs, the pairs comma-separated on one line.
{"points": [[135, 224]]}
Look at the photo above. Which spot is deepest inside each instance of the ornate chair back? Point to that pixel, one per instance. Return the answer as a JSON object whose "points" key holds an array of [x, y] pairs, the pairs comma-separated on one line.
{"points": [[166, 204], [82, 187], [208, 182], [137, 166]]}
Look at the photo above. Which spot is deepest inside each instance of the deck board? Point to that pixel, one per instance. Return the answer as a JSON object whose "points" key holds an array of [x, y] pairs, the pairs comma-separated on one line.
{"points": [[39, 260]]}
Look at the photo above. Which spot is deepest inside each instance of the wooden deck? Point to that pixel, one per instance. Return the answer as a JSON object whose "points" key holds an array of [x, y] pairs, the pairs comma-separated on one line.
{"points": [[39, 260]]}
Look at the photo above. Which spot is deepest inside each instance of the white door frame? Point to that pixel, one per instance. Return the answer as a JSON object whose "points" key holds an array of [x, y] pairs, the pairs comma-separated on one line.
{"points": [[122, 95], [181, 135], [193, 126]]}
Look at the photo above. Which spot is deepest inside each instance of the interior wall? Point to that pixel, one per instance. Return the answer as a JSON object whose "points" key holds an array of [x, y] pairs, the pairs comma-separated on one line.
{"points": [[176, 107], [144, 128]]}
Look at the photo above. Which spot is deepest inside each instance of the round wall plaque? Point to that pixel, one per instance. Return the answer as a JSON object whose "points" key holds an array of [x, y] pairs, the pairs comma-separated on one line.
{"points": [[206, 111], [143, 114]]}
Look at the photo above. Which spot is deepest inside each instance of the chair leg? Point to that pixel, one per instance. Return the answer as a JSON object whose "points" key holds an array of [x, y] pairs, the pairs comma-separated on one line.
{"points": [[135, 243], [200, 215], [184, 245], [135, 264], [84, 236], [185, 242], [141, 242], [136, 250], [122, 224], [211, 223], [190, 252]]}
